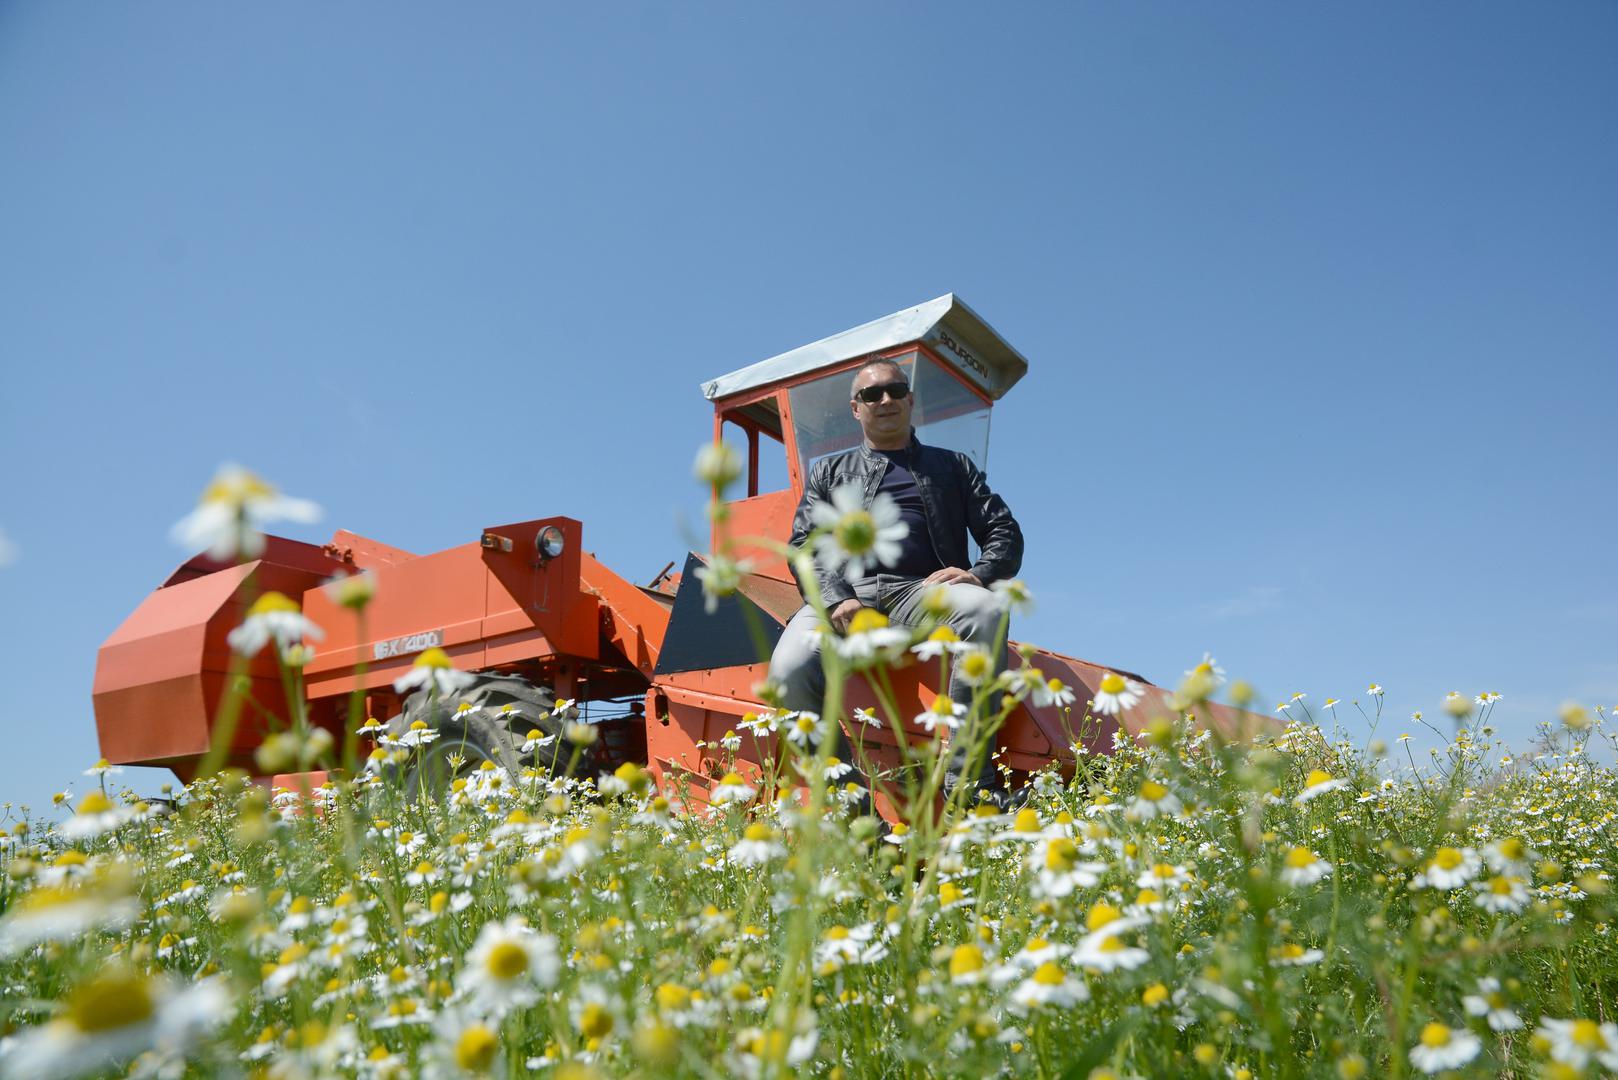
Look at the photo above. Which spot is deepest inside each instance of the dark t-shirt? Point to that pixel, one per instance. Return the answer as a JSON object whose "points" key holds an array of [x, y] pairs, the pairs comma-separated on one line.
{"points": [[917, 557]]}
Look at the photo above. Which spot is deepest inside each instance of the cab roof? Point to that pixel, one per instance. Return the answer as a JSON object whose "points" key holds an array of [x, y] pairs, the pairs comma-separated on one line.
{"points": [[946, 326]]}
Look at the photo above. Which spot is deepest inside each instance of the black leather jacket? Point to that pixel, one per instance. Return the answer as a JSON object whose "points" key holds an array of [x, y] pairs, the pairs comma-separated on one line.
{"points": [[956, 498]]}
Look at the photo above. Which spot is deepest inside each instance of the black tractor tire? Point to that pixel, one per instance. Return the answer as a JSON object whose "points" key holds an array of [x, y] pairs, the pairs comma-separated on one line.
{"points": [[505, 709]]}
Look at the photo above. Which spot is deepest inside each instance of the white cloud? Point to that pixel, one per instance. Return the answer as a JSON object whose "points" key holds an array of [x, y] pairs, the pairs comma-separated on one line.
{"points": [[9, 551], [1254, 600]]}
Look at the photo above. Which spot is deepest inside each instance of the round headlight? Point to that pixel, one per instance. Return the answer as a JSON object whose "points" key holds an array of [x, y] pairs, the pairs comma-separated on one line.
{"points": [[549, 542]]}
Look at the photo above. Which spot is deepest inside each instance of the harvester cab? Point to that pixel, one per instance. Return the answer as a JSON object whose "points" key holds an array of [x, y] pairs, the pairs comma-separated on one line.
{"points": [[548, 635], [784, 413]]}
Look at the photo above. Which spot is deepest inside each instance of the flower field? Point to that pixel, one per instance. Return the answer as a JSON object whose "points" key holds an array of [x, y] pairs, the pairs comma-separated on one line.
{"points": [[1300, 904]]}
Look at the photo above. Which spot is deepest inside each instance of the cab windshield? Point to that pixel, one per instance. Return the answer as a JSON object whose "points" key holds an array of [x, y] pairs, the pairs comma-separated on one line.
{"points": [[946, 413]]}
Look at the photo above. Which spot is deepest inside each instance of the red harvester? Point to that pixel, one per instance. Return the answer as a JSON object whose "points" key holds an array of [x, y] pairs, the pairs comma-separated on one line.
{"points": [[537, 617]]}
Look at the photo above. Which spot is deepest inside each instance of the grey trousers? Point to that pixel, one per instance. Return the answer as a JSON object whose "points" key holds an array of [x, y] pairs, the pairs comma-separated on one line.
{"points": [[975, 615]]}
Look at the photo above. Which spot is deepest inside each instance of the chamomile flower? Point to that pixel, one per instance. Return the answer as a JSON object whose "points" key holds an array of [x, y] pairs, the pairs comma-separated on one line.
{"points": [[941, 641], [1576, 1043], [843, 945], [1318, 783], [1443, 1048], [230, 517], [96, 814], [973, 664], [1049, 987], [110, 1019], [1294, 955], [1508, 855], [508, 966], [731, 789], [944, 712], [1103, 949], [1503, 893], [63, 912], [433, 668], [802, 728], [1013, 594], [871, 639], [856, 539], [1151, 800], [1115, 693], [418, 734], [1163, 877], [1208, 669], [1491, 1003], [721, 576], [1052, 692], [1303, 867], [273, 617], [757, 846], [1449, 868], [717, 465], [1059, 870], [967, 965]]}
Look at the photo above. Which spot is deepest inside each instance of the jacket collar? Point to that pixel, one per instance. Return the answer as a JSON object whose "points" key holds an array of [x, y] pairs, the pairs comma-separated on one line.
{"points": [[870, 455]]}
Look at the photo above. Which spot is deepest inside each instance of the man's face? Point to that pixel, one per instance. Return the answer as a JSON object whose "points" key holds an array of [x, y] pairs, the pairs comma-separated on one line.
{"points": [[886, 422]]}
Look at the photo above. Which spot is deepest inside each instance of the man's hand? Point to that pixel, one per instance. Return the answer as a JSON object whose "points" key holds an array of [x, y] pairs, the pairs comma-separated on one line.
{"points": [[843, 614], [952, 575]]}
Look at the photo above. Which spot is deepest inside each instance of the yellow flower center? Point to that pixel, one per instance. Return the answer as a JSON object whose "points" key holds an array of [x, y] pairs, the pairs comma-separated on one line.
{"points": [[110, 1001], [1300, 857], [1147, 896], [856, 532], [1154, 994], [943, 633], [1163, 871], [595, 1022], [673, 996], [965, 960], [1317, 777], [1500, 886], [837, 933], [1512, 848], [237, 488], [1027, 821], [507, 960], [474, 1050], [95, 803], [867, 619], [1048, 974], [434, 658], [1587, 1034], [730, 779], [758, 831], [1152, 791], [1100, 915], [1435, 1035], [1448, 858], [273, 603], [1112, 684]]}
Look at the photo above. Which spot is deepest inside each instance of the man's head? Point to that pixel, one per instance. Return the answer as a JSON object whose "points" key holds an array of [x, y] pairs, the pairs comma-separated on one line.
{"points": [[881, 403]]}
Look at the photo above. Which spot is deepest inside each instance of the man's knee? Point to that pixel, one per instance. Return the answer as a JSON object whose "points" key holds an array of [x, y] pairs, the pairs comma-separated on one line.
{"points": [[975, 613], [795, 665]]}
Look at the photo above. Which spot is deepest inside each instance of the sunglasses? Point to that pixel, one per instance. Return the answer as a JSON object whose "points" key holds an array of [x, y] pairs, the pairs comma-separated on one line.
{"points": [[898, 391]]}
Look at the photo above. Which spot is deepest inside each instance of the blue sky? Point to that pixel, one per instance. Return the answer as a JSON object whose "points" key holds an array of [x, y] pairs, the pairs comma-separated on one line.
{"points": [[1318, 303]]}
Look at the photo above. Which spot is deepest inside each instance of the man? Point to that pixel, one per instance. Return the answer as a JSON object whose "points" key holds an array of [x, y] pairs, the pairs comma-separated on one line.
{"points": [[941, 496]]}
